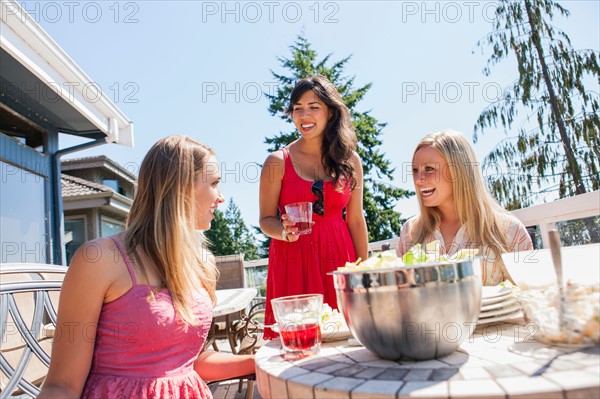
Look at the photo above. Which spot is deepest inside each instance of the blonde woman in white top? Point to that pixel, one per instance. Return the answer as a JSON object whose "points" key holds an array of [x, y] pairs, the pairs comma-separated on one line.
{"points": [[457, 209]]}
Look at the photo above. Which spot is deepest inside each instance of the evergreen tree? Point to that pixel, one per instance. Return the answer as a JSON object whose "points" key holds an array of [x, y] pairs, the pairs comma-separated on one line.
{"points": [[219, 236], [264, 244], [561, 153], [229, 235], [243, 239], [379, 197]]}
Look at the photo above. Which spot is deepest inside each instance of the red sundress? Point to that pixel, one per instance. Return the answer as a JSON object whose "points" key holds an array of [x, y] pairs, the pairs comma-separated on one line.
{"points": [[301, 267], [142, 348]]}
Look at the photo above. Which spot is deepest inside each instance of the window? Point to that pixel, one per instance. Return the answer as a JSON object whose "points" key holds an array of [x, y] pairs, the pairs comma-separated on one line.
{"points": [[114, 184], [75, 235], [22, 216], [110, 226]]}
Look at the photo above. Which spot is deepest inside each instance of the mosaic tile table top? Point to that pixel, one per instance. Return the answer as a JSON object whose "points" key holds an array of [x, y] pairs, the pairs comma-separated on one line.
{"points": [[501, 360]]}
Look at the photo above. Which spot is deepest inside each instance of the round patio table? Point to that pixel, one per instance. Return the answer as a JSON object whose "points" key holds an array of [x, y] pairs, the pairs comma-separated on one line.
{"points": [[501, 360]]}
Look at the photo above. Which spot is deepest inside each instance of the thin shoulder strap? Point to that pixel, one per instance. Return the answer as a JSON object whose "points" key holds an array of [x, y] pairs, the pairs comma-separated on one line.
{"points": [[287, 160], [127, 261]]}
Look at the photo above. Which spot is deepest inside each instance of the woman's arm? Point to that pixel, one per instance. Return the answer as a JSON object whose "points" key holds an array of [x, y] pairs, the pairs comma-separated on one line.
{"points": [[355, 217], [518, 236], [215, 366], [81, 297], [405, 242], [270, 187]]}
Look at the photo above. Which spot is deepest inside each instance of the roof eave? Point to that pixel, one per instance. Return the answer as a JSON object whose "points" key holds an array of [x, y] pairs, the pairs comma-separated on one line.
{"points": [[27, 42]]}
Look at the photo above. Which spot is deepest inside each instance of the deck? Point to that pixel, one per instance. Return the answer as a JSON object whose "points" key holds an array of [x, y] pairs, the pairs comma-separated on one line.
{"points": [[229, 389]]}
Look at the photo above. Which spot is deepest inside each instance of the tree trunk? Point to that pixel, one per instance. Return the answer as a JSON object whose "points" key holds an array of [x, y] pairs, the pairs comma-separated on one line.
{"points": [[566, 141]]}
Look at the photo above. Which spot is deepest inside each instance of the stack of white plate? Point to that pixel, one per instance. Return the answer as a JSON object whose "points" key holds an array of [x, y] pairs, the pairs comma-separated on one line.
{"points": [[498, 304]]}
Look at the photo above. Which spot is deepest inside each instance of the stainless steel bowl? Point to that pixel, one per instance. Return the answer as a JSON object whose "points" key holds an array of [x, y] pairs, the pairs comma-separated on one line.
{"points": [[415, 312]]}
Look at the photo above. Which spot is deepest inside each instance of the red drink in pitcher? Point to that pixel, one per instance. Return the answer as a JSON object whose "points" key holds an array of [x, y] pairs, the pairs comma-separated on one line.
{"points": [[301, 337]]}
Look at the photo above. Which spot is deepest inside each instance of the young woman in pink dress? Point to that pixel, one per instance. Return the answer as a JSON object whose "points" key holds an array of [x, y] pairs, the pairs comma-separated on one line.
{"points": [[456, 207], [135, 308], [321, 167]]}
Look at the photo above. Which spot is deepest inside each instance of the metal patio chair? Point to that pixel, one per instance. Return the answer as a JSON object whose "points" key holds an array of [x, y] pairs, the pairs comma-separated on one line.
{"points": [[28, 302]]}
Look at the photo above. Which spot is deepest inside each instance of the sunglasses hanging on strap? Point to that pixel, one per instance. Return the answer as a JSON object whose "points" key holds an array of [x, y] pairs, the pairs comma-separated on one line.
{"points": [[318, 205]]}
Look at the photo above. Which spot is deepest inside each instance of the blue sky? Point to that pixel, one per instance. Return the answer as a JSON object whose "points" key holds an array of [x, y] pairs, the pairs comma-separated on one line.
{"points": [[200, 67]]}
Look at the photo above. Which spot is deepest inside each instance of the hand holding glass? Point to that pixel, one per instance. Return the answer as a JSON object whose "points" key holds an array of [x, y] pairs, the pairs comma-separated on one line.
{"points": [[301, 214], [298, 323]]}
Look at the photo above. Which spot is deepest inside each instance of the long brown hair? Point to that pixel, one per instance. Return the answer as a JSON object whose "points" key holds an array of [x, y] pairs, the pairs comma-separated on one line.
{"points": [[339, 141], [161, 223], [474, 204]]}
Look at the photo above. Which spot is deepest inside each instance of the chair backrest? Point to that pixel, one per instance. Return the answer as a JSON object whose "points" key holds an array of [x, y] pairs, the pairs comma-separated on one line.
{"points": [[232, 274], [28, 302]]}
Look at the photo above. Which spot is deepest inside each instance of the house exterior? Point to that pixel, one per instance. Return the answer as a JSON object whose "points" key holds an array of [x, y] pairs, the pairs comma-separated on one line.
{"points": [[97, 195], [42, 94]]}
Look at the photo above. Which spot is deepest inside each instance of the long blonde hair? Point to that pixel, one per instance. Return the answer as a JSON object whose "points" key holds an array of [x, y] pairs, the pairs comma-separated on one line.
{"points": [[161, 223], [474, 204]]}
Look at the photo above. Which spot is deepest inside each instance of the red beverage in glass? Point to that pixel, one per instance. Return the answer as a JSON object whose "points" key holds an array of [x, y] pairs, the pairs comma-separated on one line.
{"points": [[304, 227], [301, 337]]}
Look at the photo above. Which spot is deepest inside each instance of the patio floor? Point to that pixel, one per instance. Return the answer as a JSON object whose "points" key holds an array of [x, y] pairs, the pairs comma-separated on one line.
{"points": [[229, 389]]}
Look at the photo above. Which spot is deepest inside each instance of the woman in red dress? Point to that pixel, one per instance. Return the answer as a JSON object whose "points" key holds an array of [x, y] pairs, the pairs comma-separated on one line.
{"points": [[321, 167]]}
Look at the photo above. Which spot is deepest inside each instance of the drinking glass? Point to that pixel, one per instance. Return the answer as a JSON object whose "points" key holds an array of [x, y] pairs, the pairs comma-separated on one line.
{"points": [[297, 319], [301, 214]]}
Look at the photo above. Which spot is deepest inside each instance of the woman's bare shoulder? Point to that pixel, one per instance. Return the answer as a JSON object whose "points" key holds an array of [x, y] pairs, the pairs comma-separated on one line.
{"points": [[275, 157], [355, 159], [274, 165], [99, 259]]}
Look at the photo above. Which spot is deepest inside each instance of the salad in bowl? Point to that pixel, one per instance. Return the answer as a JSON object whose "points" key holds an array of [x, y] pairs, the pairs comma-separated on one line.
{"points": [[389, 302], [427, 255]]}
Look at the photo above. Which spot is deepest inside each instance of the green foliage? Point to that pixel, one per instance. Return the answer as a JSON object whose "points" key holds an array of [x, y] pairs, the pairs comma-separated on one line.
{"points": [[379, 197], [578, 232], [561, 153], [219, 235], [229, 235], [264, 244]]}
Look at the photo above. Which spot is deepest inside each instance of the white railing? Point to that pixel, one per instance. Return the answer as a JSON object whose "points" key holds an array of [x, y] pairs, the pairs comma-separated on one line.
{"points": [[253, 278], [545, 216], [383, 245], [256, 263]]}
